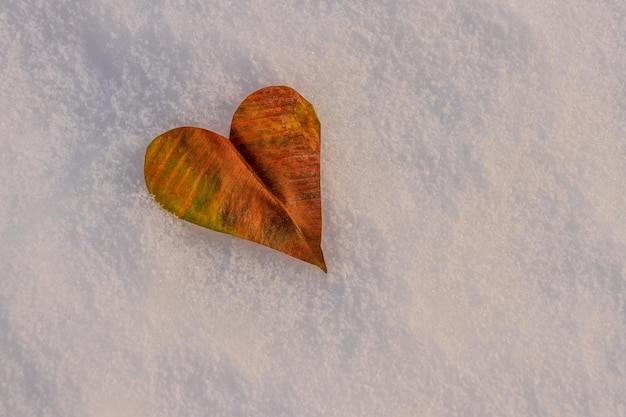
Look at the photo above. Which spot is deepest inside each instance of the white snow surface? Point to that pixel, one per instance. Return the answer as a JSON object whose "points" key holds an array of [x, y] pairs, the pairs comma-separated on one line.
{"points": [[474, 194]]}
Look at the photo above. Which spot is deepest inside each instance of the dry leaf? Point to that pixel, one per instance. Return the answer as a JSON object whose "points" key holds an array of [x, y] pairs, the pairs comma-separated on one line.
{"points": [[263, 185]]}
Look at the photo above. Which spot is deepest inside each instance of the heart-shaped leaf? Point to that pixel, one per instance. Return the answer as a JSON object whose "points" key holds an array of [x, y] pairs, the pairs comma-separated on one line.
{"points": [[263, 185]]}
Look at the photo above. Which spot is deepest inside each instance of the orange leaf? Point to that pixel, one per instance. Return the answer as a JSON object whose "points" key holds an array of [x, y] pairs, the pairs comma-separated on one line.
{"points": [[263, 185]]}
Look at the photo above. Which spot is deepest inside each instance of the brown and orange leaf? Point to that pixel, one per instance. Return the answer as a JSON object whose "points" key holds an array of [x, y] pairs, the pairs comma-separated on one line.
{"points": [[263, 185]]}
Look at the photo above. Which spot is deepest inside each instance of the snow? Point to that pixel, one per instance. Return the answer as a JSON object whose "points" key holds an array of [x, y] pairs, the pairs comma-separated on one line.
{"points": [[473, 183]]}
